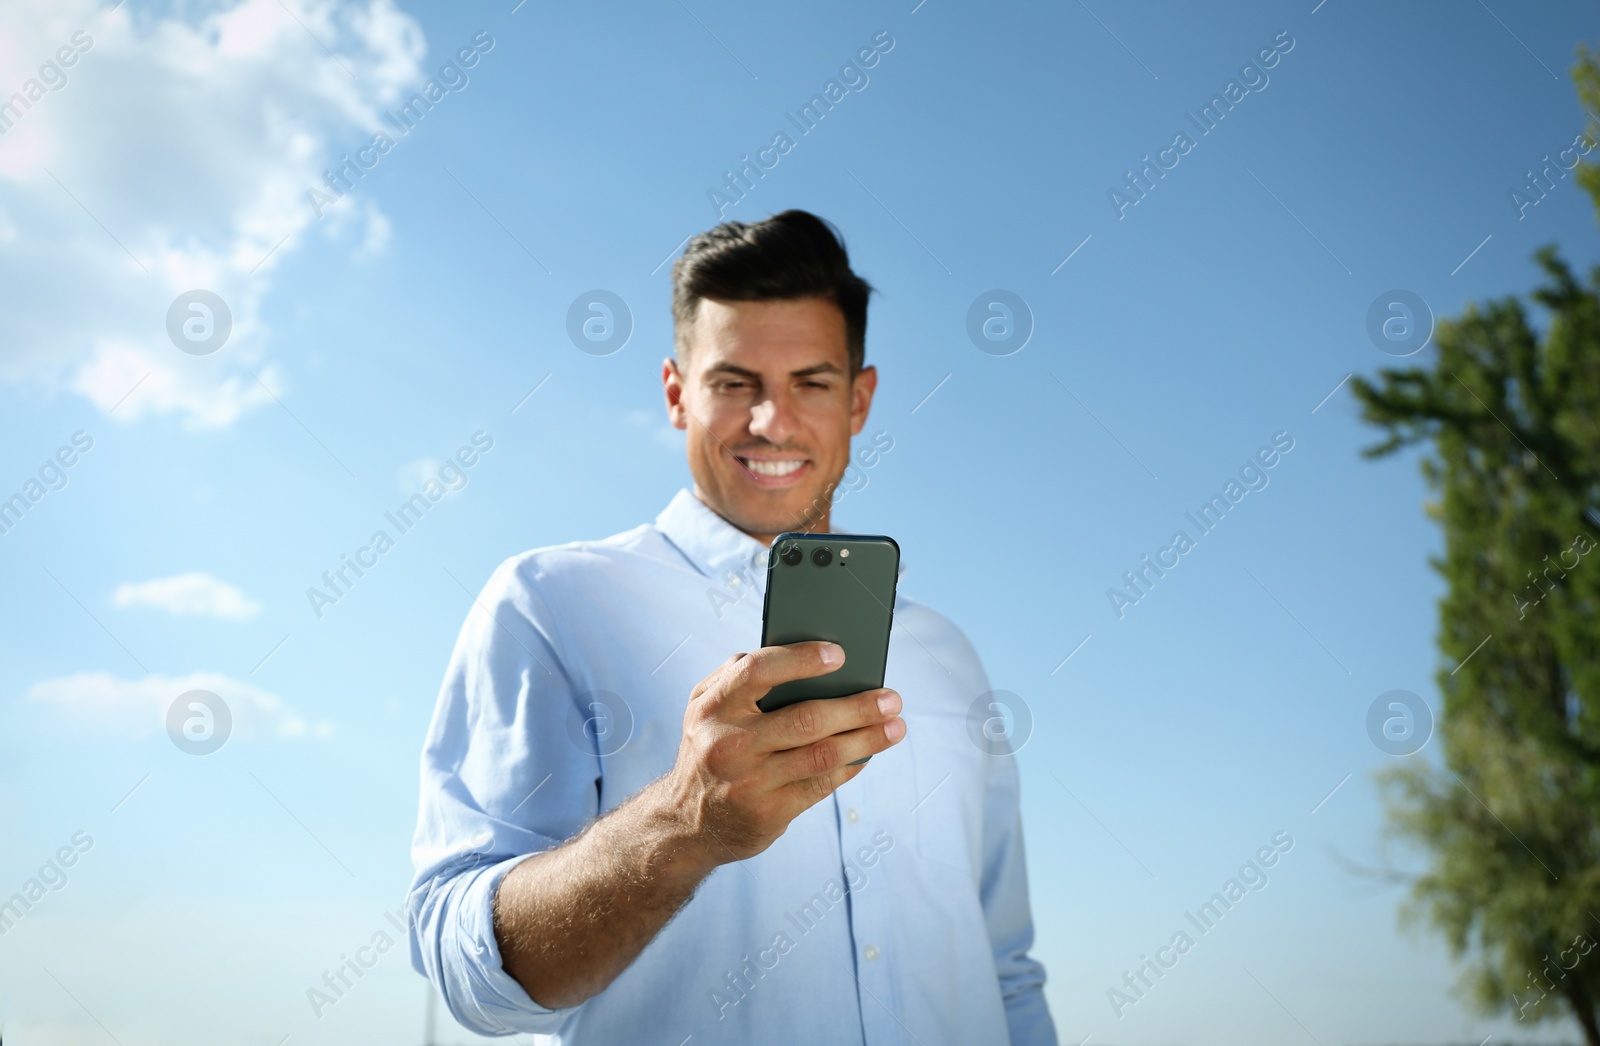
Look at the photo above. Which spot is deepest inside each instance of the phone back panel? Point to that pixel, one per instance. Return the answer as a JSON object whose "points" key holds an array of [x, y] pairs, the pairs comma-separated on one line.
{"points": [[850, 601]]}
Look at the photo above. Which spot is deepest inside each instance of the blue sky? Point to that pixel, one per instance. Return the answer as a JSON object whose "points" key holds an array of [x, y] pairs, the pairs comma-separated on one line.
{"points": [[368, 343]]}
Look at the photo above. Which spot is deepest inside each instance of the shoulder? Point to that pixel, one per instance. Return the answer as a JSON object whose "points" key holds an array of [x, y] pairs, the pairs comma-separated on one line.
{"points": [[929, 622], [929, 631], [545, 572]]}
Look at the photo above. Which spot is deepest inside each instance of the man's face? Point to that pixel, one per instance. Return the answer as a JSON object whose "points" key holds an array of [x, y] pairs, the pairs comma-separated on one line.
{"points": [[766, 397]]}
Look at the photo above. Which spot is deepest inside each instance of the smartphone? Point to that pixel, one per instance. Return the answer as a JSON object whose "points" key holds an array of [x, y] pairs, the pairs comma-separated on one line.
{"points": [[834, 587]]}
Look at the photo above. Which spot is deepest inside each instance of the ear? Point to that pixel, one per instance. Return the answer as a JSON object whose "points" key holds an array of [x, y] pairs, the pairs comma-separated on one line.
{"points": [[672, 383], [861, 389]]}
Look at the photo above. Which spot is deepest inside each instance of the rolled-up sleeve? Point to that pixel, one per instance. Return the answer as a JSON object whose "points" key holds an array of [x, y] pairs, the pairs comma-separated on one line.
{"points": [[505, 775], [1007, 911]]}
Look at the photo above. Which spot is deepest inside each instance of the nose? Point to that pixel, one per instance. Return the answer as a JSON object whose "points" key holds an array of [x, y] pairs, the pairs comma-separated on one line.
{"points": [[773, 419]]}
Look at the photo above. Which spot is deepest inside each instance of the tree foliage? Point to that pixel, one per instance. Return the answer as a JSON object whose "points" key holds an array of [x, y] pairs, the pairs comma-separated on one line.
{"points": [[1511, 819]]}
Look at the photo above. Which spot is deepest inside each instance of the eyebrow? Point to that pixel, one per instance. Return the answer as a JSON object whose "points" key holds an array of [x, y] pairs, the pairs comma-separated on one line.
{"points": [[804, 372]]}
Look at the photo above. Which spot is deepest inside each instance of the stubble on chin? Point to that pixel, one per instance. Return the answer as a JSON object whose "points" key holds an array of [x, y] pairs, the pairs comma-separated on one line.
{"points": [[808, 514], [803, 516]]}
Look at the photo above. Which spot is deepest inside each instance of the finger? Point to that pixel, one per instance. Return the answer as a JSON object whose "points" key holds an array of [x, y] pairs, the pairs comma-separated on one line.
{"points": [[840, 750], [747, 678], [808, 791], [805, 722]]}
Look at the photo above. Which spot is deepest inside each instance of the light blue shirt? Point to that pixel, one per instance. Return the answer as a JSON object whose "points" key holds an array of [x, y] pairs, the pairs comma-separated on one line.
{"points": [[893, 912]]}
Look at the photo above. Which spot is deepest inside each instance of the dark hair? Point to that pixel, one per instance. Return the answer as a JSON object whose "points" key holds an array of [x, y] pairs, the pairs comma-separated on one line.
{"points": [[790, 255]]}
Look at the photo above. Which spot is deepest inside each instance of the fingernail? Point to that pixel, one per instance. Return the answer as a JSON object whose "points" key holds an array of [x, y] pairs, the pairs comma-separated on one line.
{"points": [[895, 728], [889, 703], [832, 654]]}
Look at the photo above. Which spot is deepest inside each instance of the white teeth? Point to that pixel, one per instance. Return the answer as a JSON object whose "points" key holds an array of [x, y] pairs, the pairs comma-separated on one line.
{"points": [[771, 468]]}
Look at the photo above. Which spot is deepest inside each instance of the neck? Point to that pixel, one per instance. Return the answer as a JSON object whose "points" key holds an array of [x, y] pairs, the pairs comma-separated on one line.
{"points": [[766, 539], [819, 525]]}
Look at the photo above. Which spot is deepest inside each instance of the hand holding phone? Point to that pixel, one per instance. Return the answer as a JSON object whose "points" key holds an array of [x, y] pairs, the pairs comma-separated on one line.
{"points": [[742, 775], [834, 587]]}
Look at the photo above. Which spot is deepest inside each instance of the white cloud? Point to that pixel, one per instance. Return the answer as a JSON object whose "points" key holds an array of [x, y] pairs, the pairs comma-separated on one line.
{"points": [[658, 427], [175, 154], [195, 593], [138, 707], [413, 474]]}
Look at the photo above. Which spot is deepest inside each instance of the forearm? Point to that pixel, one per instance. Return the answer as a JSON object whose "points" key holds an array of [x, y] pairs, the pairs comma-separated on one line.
{"points": [[568, 921]]}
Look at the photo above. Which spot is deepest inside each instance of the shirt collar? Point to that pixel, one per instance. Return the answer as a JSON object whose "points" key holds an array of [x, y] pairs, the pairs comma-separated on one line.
{"points": [[715, 547]]}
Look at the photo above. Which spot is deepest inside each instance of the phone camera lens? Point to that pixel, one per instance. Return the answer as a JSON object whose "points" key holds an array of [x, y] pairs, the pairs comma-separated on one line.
{"points": [[821, 557], [791, 555]]}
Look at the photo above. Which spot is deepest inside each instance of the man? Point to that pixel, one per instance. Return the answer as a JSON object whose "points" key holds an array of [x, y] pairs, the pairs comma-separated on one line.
{"points": [[615, 845]]}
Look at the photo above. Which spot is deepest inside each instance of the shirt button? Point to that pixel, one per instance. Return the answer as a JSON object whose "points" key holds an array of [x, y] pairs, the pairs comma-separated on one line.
{"points": [[871, 952], [852, 815]]}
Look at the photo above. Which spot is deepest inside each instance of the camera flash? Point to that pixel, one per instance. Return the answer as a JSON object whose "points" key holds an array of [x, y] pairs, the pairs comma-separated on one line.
{"points": [[844, 553]]}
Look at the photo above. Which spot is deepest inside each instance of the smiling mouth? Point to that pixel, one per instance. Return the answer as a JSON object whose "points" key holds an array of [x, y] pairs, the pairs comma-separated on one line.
{"points": [[775, 469]]}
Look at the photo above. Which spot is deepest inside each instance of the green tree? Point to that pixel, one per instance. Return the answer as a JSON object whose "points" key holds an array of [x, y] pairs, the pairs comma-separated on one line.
{"points": [[1511, 820]]}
